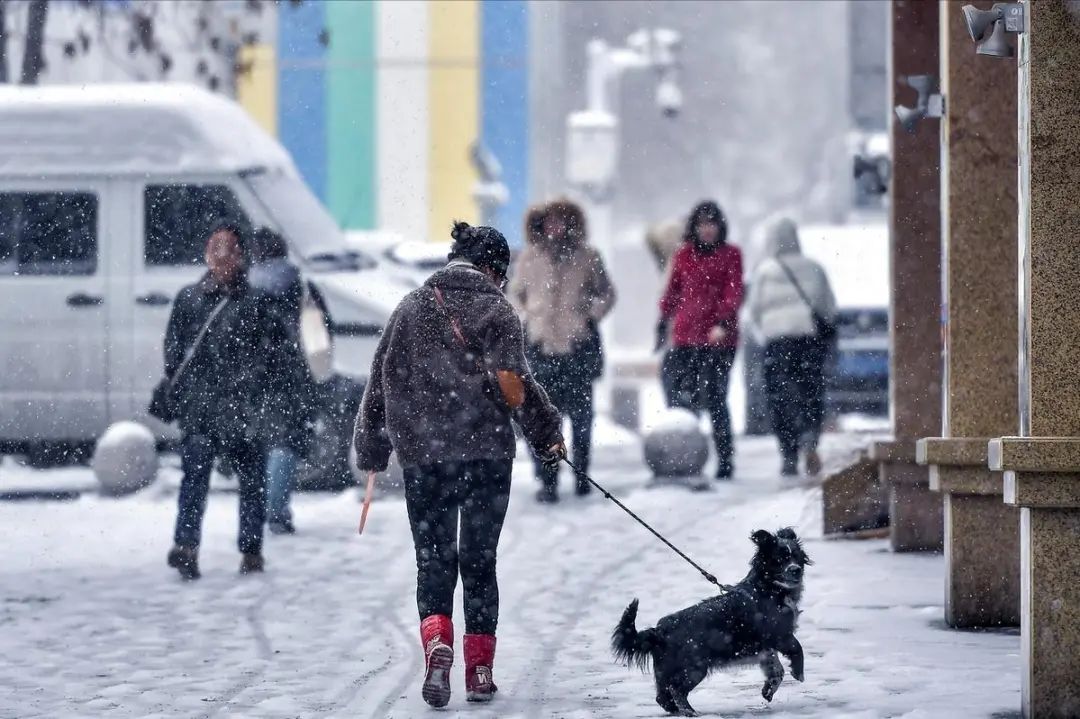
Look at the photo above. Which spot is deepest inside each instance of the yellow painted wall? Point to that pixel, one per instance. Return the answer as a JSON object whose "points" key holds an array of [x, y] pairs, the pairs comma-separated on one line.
{"points": [[256, 89], [453, 110]]}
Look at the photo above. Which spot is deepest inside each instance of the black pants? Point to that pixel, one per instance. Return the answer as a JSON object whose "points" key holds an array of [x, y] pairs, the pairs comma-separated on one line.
{"points": [[795, 384], [577, 405], [696, 378], [197, 453], [718, 361], [436, 496], [568, 381]]}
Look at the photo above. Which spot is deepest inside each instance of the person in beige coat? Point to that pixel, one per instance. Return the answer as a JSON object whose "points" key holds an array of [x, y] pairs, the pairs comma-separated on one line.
{"points": [[562, 290]]}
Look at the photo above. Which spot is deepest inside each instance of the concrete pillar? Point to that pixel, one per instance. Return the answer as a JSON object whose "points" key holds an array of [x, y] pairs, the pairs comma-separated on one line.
{"points": [[982, 535], [915, 513], [1042, 467]]}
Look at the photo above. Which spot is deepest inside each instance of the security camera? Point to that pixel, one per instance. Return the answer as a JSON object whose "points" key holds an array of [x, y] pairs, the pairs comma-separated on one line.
{"points": [[988, 27], [668, 44], [928, 104], [669, 97]]}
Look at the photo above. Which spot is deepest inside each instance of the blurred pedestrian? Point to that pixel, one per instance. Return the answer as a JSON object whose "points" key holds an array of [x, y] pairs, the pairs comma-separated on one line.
{"points": [[700, 308], [448, 376], [563, 292], [216, 332], [663, 240], [291, 390], [791, 309]]}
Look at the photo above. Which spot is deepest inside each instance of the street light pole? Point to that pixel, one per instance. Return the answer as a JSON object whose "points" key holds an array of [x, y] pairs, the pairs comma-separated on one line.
{"points": [[592, 148]]}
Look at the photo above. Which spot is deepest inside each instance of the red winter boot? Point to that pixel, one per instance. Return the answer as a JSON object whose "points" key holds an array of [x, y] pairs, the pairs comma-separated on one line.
{"points": [[437, 636], [479, 659]]}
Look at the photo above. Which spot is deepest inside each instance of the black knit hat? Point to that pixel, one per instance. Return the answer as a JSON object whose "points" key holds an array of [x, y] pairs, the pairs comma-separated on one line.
{"points": [[484, 247]]}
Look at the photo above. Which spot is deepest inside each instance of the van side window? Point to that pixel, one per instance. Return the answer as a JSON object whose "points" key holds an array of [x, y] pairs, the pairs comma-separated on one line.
{"points": [[178, 219], [48, 233]]}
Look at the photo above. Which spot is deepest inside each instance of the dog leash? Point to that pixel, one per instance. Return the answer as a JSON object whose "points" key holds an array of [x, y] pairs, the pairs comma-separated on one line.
{"points": [[608, 495]]}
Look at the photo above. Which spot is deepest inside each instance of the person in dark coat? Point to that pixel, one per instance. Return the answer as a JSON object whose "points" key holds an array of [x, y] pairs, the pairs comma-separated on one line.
{"points": [[291, 391], [219, 396], [700, 308], [448, 377], [562, 290]]}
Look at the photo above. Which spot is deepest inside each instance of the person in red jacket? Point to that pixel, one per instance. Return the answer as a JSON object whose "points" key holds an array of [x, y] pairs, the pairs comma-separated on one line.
{"points": [[700, 308]]}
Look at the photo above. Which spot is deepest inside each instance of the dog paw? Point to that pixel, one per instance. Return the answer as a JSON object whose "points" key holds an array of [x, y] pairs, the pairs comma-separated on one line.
{"points": [[768, 692], [799, 675]]}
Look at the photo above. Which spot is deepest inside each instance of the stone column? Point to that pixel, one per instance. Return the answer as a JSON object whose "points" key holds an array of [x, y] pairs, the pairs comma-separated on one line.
{"points": [[1042, 467], [915, 513], [982, 535]]}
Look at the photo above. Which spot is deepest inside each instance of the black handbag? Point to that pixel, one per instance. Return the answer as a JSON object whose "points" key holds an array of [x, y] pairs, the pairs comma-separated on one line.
{"points": [[824, 329], [590, 352], [164, 404]]}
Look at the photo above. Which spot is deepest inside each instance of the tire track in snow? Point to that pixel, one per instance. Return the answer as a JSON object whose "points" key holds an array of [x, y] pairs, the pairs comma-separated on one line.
{"points": [[263, 647], [401, 651]]}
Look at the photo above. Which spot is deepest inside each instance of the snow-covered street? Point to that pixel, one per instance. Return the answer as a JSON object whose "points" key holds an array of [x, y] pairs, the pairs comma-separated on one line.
{"points": [[92, 622]]}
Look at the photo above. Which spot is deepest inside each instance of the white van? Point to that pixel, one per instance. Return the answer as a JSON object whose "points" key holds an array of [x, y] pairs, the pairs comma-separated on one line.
{"points": [[107, 194]]}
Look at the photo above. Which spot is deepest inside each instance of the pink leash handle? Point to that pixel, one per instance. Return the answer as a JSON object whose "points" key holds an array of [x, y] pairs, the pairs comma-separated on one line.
{"points": [[367, 501]]}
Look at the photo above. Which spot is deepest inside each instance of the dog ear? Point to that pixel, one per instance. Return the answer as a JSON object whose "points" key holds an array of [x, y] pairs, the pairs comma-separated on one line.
{"points": [[762, 538], [789, 533]]}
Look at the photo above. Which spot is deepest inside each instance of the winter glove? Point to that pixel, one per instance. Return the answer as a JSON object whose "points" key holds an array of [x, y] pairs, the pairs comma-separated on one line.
{"points": [[717, 335], [661, 334], [553, 455]]}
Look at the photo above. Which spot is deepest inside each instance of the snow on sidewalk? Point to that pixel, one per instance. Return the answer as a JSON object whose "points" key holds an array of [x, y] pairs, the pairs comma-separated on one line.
{"points": [[92, 623]]}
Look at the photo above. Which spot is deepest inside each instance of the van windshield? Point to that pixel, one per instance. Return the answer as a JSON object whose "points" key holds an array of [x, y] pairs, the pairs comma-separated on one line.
{"points": [[308, 227]]}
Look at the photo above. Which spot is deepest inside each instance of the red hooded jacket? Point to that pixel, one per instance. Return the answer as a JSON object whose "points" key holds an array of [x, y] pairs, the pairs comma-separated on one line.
{"points": [[704, 290]]}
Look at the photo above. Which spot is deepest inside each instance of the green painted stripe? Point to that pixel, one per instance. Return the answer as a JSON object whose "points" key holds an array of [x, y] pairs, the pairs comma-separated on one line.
{"points": [[350, 89]]}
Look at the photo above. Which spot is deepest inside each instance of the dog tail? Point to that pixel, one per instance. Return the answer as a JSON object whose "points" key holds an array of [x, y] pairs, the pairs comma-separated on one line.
{"points": [[631, 646]]}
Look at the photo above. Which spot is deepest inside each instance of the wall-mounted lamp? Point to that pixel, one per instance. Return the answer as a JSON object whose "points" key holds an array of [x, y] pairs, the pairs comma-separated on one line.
{"points": [[988, 27], [928, 104]]}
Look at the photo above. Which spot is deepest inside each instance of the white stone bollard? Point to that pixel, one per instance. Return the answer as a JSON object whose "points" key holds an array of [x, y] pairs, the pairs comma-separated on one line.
{"points": [[125, 459], [675, 446]]}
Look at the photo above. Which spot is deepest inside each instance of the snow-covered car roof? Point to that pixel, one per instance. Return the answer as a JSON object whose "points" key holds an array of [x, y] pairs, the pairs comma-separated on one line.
{"points": [[856, 259], [129, 128], [421, 255]]}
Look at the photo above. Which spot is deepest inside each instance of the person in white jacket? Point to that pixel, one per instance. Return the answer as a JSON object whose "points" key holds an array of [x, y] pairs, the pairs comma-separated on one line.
{"points": [[789, 297]]}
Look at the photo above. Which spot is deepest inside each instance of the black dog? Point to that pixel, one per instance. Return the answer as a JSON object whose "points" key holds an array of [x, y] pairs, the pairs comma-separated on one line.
{"points": [[751, 623]]}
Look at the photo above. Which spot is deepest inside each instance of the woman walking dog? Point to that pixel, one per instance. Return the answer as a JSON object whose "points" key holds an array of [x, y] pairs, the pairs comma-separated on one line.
{"points": [[448, 376]]}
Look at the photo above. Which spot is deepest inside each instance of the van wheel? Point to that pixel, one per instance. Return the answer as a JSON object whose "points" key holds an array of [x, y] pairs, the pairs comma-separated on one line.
{"points": [[327, 463]]}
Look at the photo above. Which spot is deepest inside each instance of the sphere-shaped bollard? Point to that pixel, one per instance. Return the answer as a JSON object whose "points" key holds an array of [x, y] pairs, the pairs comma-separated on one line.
{"points": [[675, 446], [125, 459]]}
